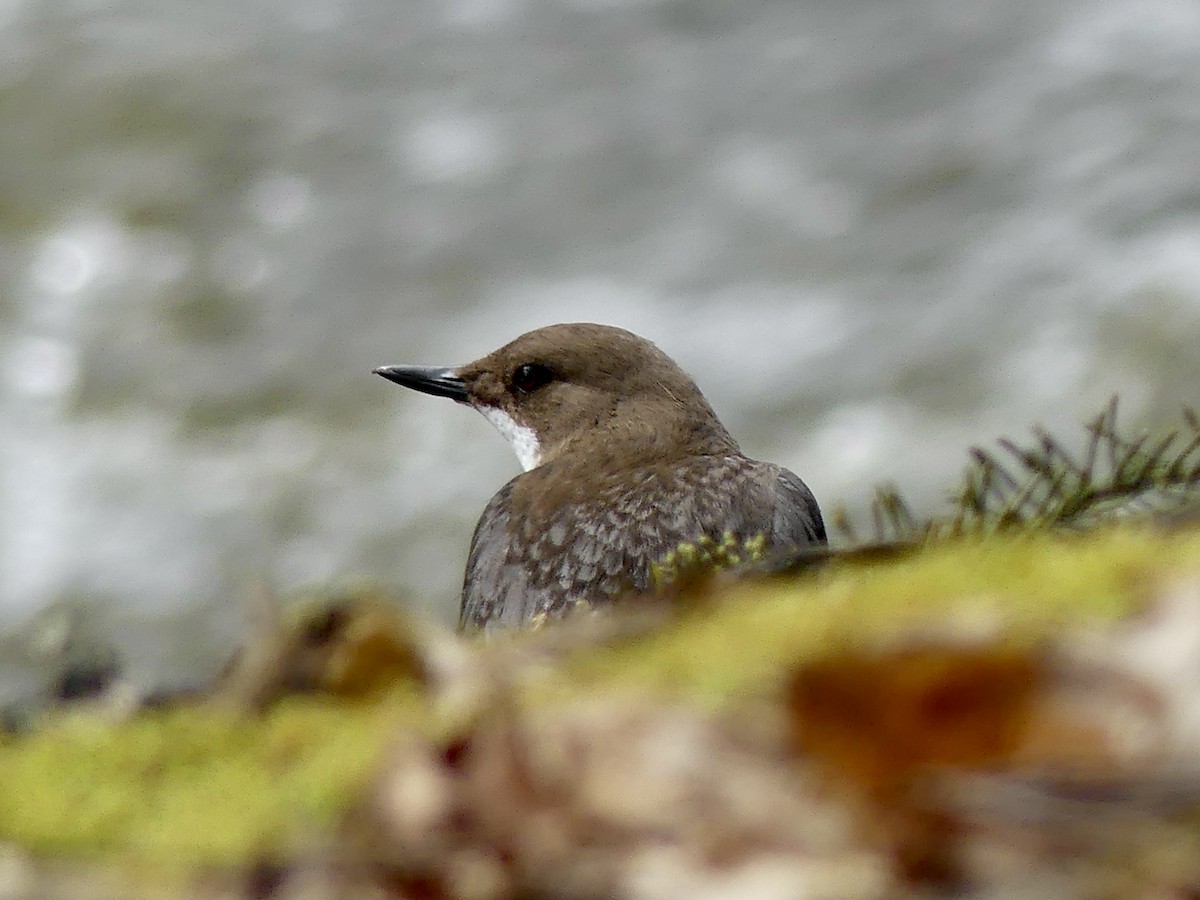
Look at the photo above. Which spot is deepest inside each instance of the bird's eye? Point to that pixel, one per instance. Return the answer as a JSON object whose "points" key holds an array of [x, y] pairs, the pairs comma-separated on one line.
{"points": [[531, 376]]}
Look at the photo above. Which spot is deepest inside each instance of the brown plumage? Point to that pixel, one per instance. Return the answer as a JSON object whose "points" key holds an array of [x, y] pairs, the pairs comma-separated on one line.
{"points": [[625, 460]]}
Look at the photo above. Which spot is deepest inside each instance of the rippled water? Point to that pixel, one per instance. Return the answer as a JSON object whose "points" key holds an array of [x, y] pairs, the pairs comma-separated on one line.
{"points": [[876, 232]]}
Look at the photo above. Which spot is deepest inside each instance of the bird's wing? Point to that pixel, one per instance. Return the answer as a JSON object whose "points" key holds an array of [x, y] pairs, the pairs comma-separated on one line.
{"points": [[493, 588], [797, 519], [592, 553]]}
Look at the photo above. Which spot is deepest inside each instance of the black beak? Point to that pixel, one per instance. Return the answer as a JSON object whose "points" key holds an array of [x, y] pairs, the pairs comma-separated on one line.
{"points": [[436, 380]]}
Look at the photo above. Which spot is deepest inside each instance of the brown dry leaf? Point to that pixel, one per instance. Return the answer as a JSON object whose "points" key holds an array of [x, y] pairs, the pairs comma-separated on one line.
{"points": [[879, 720]]}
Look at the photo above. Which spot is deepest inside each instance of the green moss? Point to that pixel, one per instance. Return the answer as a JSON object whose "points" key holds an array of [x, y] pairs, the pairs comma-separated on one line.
{"points": [[706, 555], [1028, 586], [196, 787], [192, 786]]}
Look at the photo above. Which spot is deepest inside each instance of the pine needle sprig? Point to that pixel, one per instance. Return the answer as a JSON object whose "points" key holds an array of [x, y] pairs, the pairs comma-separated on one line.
{"points": [[1043, 485]]}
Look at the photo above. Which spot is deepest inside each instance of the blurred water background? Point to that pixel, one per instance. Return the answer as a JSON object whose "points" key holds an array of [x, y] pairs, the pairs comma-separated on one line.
{"points": [[875, 231]]}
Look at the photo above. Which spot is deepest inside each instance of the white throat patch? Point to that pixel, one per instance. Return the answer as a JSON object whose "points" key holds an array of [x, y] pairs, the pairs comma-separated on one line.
{"points": [[524, 442]]}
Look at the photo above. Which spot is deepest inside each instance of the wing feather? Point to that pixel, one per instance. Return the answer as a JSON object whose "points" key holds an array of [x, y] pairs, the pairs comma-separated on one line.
{"points": [[594, 551], [797, 517]]}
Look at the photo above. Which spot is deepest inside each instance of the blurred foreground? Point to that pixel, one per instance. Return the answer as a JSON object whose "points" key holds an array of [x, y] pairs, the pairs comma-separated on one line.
{"points": [[1010, 717]]}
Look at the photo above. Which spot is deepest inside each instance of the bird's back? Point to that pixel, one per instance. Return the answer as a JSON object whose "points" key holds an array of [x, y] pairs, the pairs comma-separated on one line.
{"points": [[543, 547]]}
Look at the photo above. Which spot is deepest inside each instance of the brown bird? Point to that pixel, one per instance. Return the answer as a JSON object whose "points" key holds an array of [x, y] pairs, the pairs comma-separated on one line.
{"points": [[624, 460]]}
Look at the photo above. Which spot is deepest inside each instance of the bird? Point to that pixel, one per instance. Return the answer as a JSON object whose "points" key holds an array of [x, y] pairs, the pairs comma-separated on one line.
{"points": [[624, 460]]}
